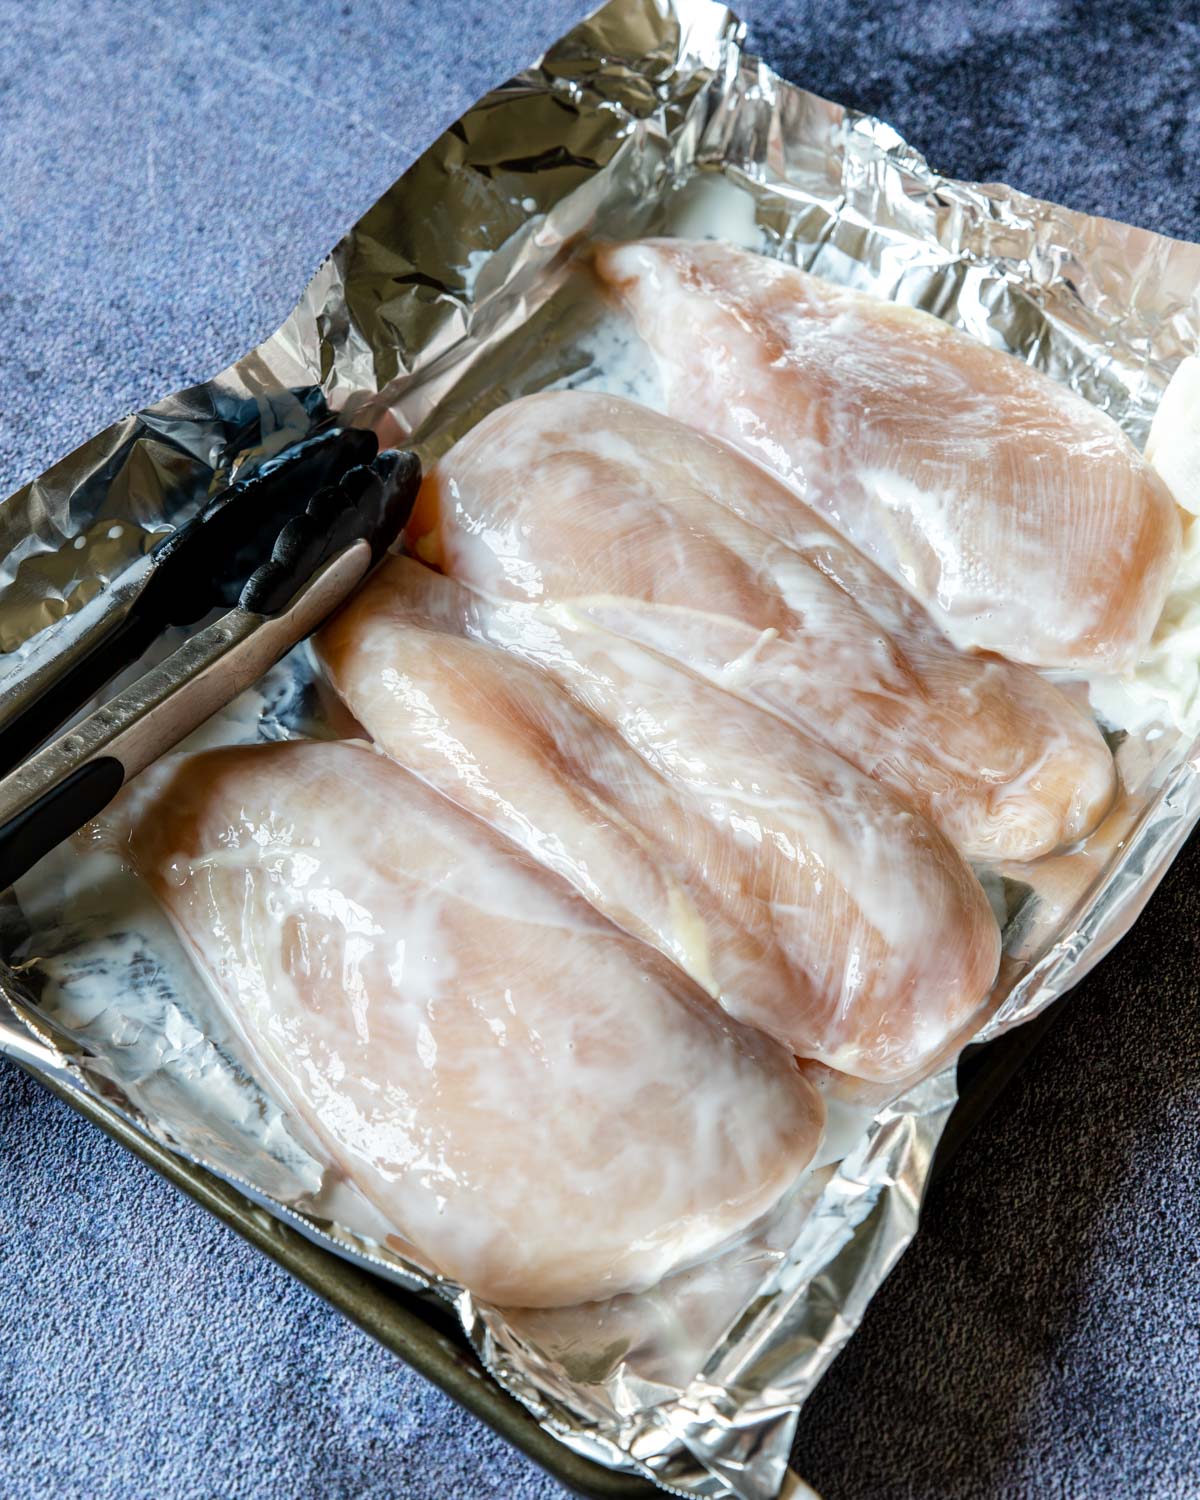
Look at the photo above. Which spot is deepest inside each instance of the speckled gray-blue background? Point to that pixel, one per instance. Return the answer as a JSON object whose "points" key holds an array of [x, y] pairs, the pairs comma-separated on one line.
{"points": [[170, 175]]}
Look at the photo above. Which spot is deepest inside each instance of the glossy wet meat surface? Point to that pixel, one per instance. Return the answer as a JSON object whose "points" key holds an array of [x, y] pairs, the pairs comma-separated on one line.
{"points": [[543, 1108], [808, 899], [1016, 512], [671, 538]]}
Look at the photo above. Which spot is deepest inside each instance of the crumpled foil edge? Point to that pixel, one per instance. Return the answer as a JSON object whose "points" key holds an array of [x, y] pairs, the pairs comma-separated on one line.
{"points": [[391, 331]]}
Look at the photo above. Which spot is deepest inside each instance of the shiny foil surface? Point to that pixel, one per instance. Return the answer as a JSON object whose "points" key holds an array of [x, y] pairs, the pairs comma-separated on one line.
{"points": [[464, 287]]}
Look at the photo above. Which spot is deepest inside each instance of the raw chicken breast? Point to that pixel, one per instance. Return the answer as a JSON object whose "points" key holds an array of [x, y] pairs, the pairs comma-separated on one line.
{"points": [[1020, 515], [538, 1103], [805, 897], [666, 536]]}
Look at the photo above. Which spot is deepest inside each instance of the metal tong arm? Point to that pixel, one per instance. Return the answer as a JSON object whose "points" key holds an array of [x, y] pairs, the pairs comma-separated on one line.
{"points": [[76, 776], [199, 567]]}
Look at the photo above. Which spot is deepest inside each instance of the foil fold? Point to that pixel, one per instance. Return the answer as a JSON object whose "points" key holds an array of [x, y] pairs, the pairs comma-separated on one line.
{"points": [[459, 290]]}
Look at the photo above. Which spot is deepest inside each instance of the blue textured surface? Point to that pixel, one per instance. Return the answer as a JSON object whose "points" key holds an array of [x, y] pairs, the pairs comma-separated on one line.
{"points": [[167, 185]]}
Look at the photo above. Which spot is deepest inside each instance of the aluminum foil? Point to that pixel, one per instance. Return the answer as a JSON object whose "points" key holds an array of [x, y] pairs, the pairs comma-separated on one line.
{"points": [[459, 290]]}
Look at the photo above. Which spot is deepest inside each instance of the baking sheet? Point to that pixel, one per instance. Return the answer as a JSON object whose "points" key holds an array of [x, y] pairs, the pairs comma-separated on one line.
{"points": [[461, 289]]}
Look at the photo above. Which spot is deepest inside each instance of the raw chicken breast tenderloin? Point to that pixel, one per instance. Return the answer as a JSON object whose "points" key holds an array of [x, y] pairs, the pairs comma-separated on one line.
{"points": [[1017, 513], [804, 896], [538, 1103], [665, 536]]}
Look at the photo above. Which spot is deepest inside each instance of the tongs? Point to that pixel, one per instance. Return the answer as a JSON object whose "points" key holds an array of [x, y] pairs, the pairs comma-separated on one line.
{"points": [[281, 555]]}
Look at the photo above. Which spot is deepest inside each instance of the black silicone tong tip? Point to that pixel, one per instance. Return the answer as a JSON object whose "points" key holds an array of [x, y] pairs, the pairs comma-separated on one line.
{"points": [[369, 503], [346, 525], [202, 566]]}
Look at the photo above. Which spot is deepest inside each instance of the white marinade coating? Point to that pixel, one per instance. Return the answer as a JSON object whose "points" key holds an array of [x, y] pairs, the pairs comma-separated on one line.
{"points": [[667, 536], [534, 1100], [503, 741], [1020, 515], [809, 899], [1165, 688]]}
